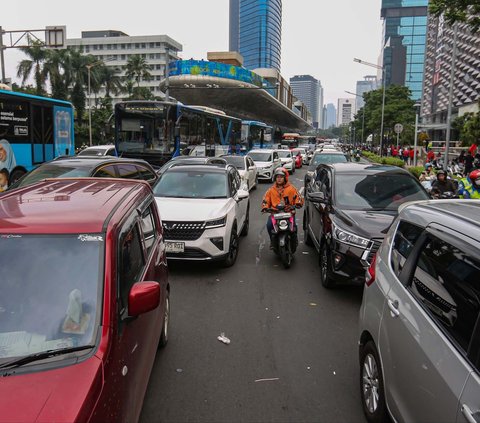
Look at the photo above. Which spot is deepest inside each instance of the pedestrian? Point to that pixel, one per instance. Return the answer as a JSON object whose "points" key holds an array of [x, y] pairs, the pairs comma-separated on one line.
{"points": [[411, 156], [406, 154], [461, 157]]}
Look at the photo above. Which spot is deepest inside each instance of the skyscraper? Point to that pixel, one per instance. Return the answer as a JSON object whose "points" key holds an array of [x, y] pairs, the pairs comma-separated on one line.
{"points": [[330, 116], [369, 83], [404, 39], [258, 31], [309, 90], [345, 111]]}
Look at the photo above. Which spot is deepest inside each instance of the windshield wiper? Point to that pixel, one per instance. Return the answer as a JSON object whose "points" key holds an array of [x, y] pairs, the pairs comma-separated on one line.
{"points": [[42, 355]]}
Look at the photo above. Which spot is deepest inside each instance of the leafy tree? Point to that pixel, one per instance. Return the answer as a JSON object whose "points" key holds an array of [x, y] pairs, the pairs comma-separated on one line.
{"points": [[468, 127], [110, 79], [458, 11], [37, 55], [138, 69]]}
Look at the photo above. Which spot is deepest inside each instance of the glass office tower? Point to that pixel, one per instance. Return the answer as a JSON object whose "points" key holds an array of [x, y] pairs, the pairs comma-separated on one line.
{"points": [[259, 32], [404, 38]]}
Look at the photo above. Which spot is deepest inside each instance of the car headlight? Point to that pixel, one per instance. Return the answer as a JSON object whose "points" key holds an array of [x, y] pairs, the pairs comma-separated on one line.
{"points": [[217, 223], [349, 238]]}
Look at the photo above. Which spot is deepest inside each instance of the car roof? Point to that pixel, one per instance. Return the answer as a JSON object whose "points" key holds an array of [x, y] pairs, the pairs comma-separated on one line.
{"points": [[71, 205], [263, 150], [101, 147], [459, 215], [92, 161], [364, 168], [203, 167], [329, 152]]}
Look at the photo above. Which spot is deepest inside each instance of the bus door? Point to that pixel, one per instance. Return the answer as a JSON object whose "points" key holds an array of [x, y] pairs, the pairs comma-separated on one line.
{"points": [[42, 134]]}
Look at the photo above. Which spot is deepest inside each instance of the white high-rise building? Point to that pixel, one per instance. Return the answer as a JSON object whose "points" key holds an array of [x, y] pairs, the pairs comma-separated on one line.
{"points": [[115, 47], [369, 83], [345, 111]]}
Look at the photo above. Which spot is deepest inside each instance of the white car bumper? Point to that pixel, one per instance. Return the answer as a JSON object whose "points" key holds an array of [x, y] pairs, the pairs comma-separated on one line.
{"points": [[265, 173]]}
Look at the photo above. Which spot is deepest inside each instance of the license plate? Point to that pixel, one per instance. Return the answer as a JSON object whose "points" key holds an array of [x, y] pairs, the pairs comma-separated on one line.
{"points": [[174, 247]]}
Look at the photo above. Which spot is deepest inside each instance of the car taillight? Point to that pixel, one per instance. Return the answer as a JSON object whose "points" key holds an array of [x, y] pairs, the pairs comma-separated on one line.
{"points": [[370, 276]]}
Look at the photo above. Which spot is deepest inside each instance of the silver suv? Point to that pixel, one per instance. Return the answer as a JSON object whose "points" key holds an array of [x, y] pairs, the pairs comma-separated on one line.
{"points": [[419, 321]]}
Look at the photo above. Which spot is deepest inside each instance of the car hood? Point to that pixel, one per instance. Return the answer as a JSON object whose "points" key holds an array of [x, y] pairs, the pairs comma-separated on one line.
{"points": [[66, 394], [263, 164], [369, 224], [191, 209]]}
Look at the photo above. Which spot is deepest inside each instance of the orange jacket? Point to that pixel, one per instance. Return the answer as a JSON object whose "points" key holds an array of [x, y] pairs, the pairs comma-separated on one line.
{"points": [[287, 194]]}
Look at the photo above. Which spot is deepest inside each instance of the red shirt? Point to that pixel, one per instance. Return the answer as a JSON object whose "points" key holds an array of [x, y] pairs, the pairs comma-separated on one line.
{"points": [[430, 155]]}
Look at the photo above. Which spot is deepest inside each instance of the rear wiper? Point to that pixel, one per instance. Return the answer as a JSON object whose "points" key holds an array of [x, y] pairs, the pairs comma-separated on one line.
{"points": [[42, 355]]}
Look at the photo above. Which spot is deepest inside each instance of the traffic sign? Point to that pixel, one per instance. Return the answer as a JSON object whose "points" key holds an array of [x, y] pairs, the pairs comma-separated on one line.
{"points": [[398, 128]]}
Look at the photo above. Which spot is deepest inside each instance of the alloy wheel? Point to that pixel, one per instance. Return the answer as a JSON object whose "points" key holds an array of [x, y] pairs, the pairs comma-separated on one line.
{"points": [[370, 383]]}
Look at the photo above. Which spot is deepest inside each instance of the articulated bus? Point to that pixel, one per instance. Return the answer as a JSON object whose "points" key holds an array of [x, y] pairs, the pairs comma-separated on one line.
{"points": [[256, 135], [156, 131], [33, 130]]}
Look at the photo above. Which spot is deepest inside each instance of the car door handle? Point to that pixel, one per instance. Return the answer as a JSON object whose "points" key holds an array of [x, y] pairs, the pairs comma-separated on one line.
{"points": [[469, 416], [393, 306]]}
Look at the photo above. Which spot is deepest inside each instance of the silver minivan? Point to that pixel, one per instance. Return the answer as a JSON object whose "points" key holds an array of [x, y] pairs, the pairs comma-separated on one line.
{"points": [[419, 343]]}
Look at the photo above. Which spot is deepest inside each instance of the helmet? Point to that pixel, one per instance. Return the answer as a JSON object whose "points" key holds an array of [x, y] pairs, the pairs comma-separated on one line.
{"points": [[427, 165], [441, 172], [281, 171], [475, 176]]}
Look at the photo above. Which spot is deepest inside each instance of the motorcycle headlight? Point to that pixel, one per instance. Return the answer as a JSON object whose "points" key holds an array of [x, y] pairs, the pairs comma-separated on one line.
{"points": [[349, 238], [217, 223]]}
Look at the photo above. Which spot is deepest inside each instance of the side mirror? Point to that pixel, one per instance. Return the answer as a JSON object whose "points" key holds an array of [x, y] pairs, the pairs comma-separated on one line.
{"points": [[252, 168], [143, 297], [317, 197], [242, 194]]}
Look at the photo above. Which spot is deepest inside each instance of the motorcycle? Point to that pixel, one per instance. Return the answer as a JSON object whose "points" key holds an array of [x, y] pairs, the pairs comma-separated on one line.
{"points": [[284, 235], [357, 157]]}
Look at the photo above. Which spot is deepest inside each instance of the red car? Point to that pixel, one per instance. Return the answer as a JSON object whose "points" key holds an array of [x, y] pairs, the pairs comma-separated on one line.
{"points": [[84, 300]]}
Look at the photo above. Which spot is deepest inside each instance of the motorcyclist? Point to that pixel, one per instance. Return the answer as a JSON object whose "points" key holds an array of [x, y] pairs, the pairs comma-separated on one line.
{"points": [[469, 187], [427, 174], [281, 192], [442, 184]]}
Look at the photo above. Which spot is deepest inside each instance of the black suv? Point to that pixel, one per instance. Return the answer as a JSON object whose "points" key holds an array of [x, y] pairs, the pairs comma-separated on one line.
{"points": [[89, 166], [348, 210]]}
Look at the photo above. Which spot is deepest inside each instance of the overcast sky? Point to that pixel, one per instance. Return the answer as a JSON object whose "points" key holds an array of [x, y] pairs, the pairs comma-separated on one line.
{"points": [[320, 37]]}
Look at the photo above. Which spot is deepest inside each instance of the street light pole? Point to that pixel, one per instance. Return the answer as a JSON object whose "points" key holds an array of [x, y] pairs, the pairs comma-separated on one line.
{"points": [[89, 107], [2, 57], [450, 97]]}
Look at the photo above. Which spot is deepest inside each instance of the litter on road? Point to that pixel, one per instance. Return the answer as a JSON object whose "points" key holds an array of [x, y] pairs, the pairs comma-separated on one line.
{"points": [[223, 338]]}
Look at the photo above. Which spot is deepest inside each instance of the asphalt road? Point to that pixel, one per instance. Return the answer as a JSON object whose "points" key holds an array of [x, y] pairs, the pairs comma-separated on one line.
{"points": [[293, 352]]}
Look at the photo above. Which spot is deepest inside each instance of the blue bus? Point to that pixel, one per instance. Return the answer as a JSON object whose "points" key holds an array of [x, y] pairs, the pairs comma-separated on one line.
{"points": [[33, 130], [156, 131], [256, 135]]}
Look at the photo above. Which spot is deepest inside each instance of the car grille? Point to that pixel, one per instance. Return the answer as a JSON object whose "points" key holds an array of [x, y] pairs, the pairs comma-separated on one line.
{"points": [[183, 231], [190, 253], [376, 242]]}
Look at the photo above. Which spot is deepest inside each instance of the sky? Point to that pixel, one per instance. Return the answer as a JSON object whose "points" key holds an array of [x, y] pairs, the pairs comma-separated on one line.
{"points": [[319, 38]]}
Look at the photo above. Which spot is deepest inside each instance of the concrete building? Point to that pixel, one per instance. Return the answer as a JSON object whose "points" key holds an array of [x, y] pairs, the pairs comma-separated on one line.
{"points": [[345, 111], [438, 66], [369, 83], [309, 90], [329, 116], [256, 32], [404, 39], [115, 47]]}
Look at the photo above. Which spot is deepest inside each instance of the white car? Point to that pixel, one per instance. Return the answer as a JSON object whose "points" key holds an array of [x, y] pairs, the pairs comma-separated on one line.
{"points": [[267, 161], [99, 150], [246, 168], [287, 160], [204, 211]]}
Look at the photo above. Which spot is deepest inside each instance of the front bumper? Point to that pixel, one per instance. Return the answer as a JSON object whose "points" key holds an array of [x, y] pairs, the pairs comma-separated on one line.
{"points": [[265, 173]]}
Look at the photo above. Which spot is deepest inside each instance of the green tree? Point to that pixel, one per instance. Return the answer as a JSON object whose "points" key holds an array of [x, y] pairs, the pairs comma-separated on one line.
{"points": [[37, 56], [458, 11], [110, 79], [468, 127], [137, 69]]}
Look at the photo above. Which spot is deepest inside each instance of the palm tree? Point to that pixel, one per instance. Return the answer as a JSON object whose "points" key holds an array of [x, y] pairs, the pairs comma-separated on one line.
{"points": [[109, 78], [37, 55], [137, 68], [55, 70]]}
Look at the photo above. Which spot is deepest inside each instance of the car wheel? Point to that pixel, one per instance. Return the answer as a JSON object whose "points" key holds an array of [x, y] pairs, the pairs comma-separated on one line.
{"points": [[232, 248], [256, 183], [307, 238], [325, 267], [246, 224], [371, 385], [166, 321]]}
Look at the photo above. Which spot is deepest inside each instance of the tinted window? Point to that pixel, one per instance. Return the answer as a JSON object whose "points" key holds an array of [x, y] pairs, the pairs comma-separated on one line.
{"points": [[405, 238], [106, 172], [128, 171], [447, 283], [53, 171], [145, 173], [327, 159], [261, 157], [131, 263], [148, 228]]}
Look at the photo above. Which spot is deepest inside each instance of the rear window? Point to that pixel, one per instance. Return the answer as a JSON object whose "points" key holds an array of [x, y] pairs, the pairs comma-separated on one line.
{"points": [[328, 159]]}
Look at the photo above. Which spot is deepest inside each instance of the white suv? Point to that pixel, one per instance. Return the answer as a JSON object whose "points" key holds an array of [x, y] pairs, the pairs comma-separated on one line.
{"points": [[267, 161], [204, 211]]}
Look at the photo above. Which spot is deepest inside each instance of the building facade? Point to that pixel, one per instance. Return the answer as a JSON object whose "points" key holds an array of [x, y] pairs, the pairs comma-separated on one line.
{"points": [[309, 90], [345, 111], [404, 41], [329, 116], [438, 67], [115, 47], [257, 32], [369, 83]]}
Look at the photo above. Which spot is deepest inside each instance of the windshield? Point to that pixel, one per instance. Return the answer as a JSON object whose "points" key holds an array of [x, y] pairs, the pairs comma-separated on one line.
{"points": [[260, 157], [52, 171], [284, 154], [237, 161], [327, 159], [382, 191], [47, 298], [92, 152], [179, 183]]}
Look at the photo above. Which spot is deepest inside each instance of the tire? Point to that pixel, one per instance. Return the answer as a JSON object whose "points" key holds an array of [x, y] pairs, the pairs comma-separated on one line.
{"points": [[306, 236], [166, 321], [286, 255], [232, 248], [372, 390], [246, 224], [325, 267], [256, 183]]}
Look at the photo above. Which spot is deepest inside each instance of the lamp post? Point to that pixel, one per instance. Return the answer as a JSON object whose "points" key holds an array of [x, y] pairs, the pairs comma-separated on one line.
{"points": [[89, 67], [382, 68]]}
